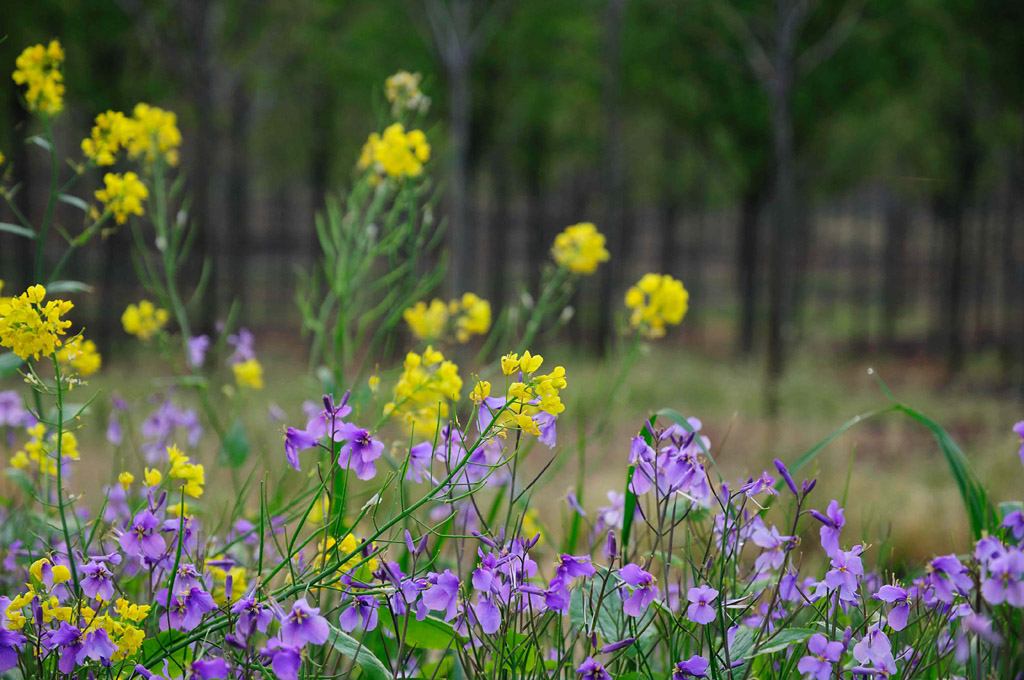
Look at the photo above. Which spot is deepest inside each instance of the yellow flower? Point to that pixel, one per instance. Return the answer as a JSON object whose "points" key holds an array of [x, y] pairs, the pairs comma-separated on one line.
{"points": [[395, 153], [422, 394], [132, 612], [153, 133], [249, 373], [427, 322], [475, 317], [123, 195], [110, 133], [510, 363], [30, 328], [143, 320], [657, 300], [481, 391], [153, 477], [81, 354], [193, 474], [580, 248], [530, 363], [373, 383], [126, 478], [320, 510], [525, 400], [39, 68], [403, 91], [60, 573]]}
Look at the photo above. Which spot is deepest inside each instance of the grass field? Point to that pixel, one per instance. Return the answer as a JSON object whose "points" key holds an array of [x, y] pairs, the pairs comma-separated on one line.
{"points": [[889, 466]]}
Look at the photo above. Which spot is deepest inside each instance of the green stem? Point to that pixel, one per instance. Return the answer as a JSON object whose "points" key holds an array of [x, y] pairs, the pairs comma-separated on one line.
{"points": [[60, 484]]}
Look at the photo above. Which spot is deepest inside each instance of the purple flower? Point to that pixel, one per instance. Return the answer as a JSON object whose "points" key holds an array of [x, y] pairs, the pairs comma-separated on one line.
{"points": [[115, 435], [97, 581], [846, 569], [592, 670], [244, 343], [252, 616], [694, 667], [359, 451], [327, 421], [443, 594], [284, 658], [487, 614], [822, 655], [304, 624], [10, 641], [362, 614], [700, 610], [610, 516], [874, 652], [574, 504], [762, 484], [640, 456], [834, 521], [946, 575], [142, 537], [574, 567], [1015, 522], [1005, 582], [643, 590], [548, 432], [77, 648], [788, 478], [197, 348], [160, 427], [898, 596], [185, 609], [295, 441], [1019, 429], [212, 669], [774, 544], [420, 457]]}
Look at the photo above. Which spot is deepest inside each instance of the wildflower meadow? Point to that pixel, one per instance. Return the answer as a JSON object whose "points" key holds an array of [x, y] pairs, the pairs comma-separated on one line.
{"points": [[395, 535]]}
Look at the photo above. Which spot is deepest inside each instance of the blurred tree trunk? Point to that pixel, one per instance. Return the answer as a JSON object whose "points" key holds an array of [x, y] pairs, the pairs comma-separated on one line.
{"points": [[668, 223], [238, 195], [747, 264], [614, 172], [499, 225], [953, 205], [25, 248], [897, 228], [322, 113], [536, 213], [1010, 338]]}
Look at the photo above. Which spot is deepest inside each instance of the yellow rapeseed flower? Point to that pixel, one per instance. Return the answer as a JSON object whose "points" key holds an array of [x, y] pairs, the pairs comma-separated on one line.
{"points": [[110, 134], [657, 300], [126, 478], [249, 373], [122, 195], [31, 328], [580, 248], [193, 474], [144, 319], [81, 355], [466, 316], [153, 134], [427, 322], [395, 153], [422, 394], [39, 69]]}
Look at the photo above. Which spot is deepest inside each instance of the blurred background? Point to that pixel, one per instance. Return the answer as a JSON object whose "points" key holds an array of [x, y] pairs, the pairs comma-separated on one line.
{"points": [[837, 183]]}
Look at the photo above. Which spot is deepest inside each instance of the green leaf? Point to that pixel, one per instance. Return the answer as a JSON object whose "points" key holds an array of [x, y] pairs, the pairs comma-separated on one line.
{"points": [[236, 445], [784, 638], [348, 646], [1007, 507], [17, 230], [68, 287], [39, 140], [9, 364], [75, 201], [430, 633], [153, 654], [629, 512]]}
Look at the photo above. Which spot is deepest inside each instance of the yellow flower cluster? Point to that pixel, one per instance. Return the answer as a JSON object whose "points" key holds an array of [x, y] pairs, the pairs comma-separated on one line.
{"points": [[150, 133], [249, 373], [427, 383], [81, 355], [37, 451], [470, 315], [109, 133], [656, 300], [403, 91], [39, 68], [122, 195], [30, 328], [143, 320], [192, 474], [534, 394], [580, 248], [396, 153], [329, 549]]}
